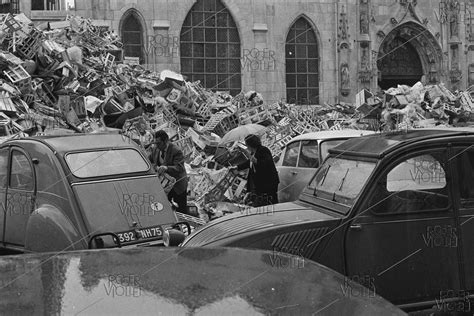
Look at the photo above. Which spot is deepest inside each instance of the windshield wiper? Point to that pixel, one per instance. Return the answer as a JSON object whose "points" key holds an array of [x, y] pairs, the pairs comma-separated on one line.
{"points": [[340, 185], [322, 181], [343, 179], [325, 174]]}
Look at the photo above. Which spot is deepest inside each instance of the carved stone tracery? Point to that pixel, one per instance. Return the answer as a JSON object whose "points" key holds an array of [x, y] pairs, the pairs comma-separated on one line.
{"points": [[343, 26], [344, 49], [364, 17], [454, 9], [469, 21], [449, 11]]}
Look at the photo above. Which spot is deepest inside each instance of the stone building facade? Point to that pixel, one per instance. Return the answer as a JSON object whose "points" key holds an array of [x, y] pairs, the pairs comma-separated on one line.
{"points": [[311, 51]]}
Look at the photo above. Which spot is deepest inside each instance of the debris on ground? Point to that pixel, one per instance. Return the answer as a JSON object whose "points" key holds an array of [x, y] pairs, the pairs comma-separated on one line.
{"points": [[69, 77]]}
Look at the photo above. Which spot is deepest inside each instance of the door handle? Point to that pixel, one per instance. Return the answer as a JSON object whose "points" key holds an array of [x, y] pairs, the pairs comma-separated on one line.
{"points": [[356, 227], [294, 172]]}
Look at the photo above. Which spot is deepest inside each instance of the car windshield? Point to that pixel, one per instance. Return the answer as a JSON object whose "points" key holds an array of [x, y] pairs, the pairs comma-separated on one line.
{"points": [[341, 180], [105, 162]]}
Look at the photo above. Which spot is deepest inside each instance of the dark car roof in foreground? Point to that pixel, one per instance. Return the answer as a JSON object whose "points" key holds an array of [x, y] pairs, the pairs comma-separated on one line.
{"points": [[73, 142], [177, 281], [380, 144]]}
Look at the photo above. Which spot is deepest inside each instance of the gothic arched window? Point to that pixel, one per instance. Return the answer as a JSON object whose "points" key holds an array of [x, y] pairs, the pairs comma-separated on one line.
{"points": [[132, 36], [210, 47], [302, 64]]}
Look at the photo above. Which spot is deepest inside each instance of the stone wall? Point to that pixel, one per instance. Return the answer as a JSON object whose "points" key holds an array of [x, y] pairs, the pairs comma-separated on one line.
{"points": [[350, 33]]}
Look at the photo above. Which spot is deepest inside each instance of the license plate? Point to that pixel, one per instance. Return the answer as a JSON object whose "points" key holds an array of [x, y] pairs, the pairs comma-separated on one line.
{"points": [[140, 234]]}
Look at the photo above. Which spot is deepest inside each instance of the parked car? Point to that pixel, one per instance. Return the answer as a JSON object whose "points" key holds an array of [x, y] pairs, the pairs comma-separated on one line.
{"points": [[395, 208], [302, 156], [170, 281], [77, 192]]}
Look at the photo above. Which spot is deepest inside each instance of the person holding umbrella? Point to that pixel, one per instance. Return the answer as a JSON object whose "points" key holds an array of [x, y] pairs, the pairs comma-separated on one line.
{"points": [[262, 181]]}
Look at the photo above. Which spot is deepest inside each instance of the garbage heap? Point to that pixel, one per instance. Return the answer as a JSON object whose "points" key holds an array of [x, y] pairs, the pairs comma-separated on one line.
{"points": [[68, 77], [418, 106]]}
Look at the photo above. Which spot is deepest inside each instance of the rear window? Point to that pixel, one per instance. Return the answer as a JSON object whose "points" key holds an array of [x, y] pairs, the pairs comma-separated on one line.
{"points": [[105, 163]]}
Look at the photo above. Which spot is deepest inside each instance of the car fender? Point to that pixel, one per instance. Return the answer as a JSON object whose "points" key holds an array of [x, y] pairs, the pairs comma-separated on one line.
{"points": [[49, 229]]}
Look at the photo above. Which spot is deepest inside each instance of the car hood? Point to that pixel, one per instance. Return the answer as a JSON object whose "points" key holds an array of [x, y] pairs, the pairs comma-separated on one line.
{"points": [[176, 281], [257, 219], [115, 206]]}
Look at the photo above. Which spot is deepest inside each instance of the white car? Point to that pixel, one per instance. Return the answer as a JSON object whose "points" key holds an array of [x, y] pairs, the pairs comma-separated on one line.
{"points": [[302, 156]]}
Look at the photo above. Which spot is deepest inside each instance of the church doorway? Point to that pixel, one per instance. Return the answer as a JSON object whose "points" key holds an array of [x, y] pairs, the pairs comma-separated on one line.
{"points": [[400, 65], [406, 54]]}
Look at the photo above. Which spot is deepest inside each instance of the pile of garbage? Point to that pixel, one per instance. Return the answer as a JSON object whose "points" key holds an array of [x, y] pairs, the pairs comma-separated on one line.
{"points": [[69, 77], [418, 106]]}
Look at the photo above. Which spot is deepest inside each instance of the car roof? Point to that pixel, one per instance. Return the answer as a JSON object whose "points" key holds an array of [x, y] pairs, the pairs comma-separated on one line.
{"points": [[379, 145], [191, 281], [74, 142], [322, 135]]}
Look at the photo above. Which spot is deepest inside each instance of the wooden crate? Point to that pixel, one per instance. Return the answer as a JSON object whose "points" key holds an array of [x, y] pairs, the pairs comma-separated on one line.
{"points": [[237, 190], [167, 182], [46, 95], [28, 47], [6, 103], [226, 124], [16, 74], [193, 221], [186, 145], [11, 23], [203, 186], [217, 192], [213, 122], [277, 147]]}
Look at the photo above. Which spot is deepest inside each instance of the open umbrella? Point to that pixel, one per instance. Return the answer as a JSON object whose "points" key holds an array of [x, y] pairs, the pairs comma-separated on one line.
{"points": [[240, 132]]}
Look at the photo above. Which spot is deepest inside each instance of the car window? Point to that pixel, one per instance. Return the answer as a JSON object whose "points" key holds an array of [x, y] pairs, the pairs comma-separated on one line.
{"points": [[341, 180], [291, 154], [3, 168], [415, 184], [328, 144], [309, 154], [105, 163], [21, 176], [464, 162]]}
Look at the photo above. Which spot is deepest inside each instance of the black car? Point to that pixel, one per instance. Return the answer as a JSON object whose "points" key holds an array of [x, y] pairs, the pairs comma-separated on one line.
{"points": [[174, 281], [396, 209]]}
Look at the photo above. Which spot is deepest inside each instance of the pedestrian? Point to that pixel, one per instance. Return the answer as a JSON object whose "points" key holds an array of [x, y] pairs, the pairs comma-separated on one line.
{"points": [[167, 157], [262, 180]]}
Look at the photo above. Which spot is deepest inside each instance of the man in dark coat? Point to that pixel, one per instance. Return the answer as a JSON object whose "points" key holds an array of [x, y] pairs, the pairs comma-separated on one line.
{"points": [[167, 157], [262, 181]]}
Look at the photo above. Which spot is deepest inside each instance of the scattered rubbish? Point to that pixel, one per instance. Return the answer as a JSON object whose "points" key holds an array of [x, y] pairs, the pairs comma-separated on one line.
{"points": [[71, 77]]}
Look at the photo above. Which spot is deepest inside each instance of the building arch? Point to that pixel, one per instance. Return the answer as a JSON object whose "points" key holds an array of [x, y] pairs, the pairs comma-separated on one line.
{"points": [[210, 47], [302, 62], [313, 26], [410, 39], [132, 31]]}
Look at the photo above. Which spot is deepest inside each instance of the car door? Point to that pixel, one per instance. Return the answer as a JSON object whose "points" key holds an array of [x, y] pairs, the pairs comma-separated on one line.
{"points": [[463, 158], [20, 198], [287, 171], [3, 190], [403, 240]]}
